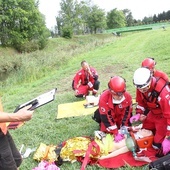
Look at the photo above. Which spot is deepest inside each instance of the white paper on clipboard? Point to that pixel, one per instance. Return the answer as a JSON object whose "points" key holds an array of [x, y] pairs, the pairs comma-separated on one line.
{"points": [[39, 101]]}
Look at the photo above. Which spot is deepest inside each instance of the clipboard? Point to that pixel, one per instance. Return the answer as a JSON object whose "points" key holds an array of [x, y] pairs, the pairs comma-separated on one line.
{"points": [[39, 101]]}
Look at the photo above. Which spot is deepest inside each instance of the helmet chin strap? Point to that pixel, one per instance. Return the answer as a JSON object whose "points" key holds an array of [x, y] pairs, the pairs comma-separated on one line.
{"points": [[118, 101]]}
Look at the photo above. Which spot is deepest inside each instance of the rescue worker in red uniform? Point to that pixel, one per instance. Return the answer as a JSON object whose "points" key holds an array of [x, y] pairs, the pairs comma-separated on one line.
{"points": [[85, 80], [153, 106], [150, 64], [115, 108]]}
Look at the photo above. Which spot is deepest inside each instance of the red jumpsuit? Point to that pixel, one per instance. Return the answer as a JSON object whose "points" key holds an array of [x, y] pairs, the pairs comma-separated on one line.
{"points": [[158, 73], [113, 116], [157, 110], [84, 82]]}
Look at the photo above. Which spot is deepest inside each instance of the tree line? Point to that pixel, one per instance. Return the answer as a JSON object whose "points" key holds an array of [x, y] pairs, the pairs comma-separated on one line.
{"points": [[84, 17], [22, 25]]}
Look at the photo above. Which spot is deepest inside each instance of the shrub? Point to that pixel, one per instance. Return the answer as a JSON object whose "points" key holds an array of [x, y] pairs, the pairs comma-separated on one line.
{"points": [[67, 32], [27, 46]]}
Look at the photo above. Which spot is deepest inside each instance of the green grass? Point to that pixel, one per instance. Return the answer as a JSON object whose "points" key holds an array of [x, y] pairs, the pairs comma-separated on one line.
{"points": [[139, 27], [110, 56]]}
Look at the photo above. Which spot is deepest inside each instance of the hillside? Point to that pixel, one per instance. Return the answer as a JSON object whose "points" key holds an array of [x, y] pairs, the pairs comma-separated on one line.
{"points": [[110, 56]]}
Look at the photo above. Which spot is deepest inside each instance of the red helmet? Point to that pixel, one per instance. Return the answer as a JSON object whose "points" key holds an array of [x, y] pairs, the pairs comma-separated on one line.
{"points": [[117, 85], [149, 63]]}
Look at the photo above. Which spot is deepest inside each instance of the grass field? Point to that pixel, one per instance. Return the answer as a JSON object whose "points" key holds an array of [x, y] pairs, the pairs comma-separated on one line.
{"points": [[139, 28], [110, 56]]}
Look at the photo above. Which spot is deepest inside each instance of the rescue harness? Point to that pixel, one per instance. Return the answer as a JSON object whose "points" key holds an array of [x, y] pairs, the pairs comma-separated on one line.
{"points": [[152, 99]]}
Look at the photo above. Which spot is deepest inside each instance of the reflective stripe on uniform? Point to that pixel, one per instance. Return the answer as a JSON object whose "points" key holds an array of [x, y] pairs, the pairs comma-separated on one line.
{"points": [[168, 127], [112, 127], [140, 107]]}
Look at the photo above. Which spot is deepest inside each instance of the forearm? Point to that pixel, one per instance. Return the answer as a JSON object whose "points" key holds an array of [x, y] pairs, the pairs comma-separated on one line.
{"points": [[8, 117], [92, 73], [22, 115], [115, 153]]}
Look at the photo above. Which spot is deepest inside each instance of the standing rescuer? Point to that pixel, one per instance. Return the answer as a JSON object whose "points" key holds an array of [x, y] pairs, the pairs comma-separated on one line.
{"points": [[10, 158], [153, 106], [115, 108]]}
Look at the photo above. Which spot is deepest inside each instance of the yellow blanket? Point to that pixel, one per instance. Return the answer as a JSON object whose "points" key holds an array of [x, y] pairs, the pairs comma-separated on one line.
{"points": [[74, 109]]}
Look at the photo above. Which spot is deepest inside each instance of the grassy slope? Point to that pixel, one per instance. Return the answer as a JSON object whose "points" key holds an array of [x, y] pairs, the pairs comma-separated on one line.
{"points": [[120, 57]]}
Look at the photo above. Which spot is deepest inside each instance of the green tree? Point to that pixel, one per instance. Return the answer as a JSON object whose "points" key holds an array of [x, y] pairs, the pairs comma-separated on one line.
{"points": [[73, 15], [80, 17], [161, 16], [155, 18], [96, 19], [129, 17], [82, 11], [22, 25], [67, 15], [147, 20], [168, 15], [59, 22], [116, 19]]}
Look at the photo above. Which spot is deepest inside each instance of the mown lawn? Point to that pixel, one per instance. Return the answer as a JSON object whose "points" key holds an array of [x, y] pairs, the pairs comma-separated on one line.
{"points": [[111, 56]]}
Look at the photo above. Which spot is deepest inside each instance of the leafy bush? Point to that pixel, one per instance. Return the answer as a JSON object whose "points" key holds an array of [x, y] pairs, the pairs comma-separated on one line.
{"points": [[42, 42], [9, 64], [30, 46], [27, 46], [67, 32]]}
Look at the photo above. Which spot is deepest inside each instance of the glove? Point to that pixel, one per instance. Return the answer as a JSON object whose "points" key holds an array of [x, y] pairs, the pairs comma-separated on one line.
{"points": [[166, 146], [118, 137], [135, 118]]}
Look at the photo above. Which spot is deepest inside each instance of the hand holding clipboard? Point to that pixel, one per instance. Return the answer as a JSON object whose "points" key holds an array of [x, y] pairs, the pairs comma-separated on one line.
{"points": [[38, 101]]}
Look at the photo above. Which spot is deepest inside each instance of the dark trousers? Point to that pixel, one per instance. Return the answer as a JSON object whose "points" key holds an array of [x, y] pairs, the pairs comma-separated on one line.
{"points": [[10, 157], [96, 85]]}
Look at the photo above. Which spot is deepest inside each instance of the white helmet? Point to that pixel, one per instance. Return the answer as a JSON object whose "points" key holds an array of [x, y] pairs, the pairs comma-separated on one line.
{"points": [[142, 77]]}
